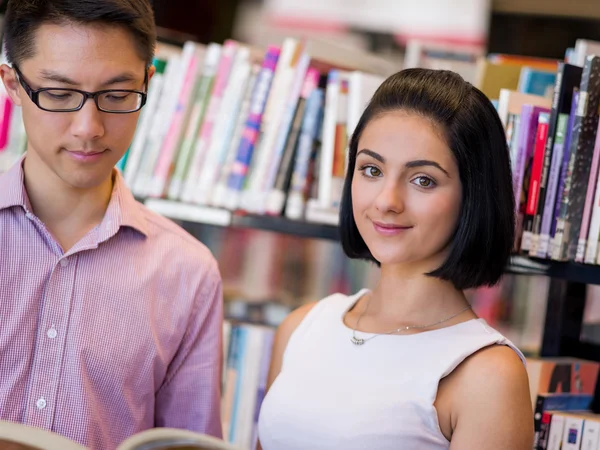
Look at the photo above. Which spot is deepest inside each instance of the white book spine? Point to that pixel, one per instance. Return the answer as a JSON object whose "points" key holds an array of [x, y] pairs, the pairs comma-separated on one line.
{"points": [[212, 113], [285, 128], [557, 425], [139, 141], [224, 127], [220, 192], [160, 122], [332, 94], [572, 432], [591, 435], [251, 199], [249, 386]]}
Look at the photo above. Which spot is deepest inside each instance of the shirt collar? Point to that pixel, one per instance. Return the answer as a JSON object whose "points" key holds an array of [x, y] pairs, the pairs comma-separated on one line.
{"points": [[130, 211], [12, 187], [123, 209]]}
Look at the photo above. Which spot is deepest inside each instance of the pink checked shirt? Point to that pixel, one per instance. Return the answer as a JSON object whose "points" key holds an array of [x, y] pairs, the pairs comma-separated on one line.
{"points": [[120, 334]]}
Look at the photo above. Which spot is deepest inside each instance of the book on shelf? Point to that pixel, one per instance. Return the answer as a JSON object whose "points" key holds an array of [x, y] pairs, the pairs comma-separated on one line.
{"points": [[246, 364], [559, 384], [555, 154], [228, 129], [561, 375], [569, 430]]}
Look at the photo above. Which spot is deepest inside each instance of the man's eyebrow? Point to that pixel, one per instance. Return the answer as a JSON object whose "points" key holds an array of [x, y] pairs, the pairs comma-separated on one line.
{"points": [[51, 75]]}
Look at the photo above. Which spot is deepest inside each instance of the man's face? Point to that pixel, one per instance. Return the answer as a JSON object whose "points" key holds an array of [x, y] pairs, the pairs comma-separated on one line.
{"points": [[80, 147]]}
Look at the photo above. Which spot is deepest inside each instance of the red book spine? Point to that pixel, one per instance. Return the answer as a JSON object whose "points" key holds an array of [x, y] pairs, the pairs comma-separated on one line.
{"points": [[536, 170]]}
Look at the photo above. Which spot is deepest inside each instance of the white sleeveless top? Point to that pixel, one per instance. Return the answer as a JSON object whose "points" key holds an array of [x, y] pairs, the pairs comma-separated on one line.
{"points": [[332, 394]]}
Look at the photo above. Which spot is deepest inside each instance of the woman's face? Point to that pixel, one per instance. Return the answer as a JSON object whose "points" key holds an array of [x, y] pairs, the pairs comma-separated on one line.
{"points": [[406, 190]]}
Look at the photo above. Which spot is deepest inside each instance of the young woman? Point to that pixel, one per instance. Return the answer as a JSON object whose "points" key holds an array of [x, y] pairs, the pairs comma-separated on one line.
{"points": [[408, 365]]}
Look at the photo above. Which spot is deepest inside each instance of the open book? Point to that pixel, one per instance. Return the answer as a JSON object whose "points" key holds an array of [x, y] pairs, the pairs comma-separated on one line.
{"points": [[16, 436]]}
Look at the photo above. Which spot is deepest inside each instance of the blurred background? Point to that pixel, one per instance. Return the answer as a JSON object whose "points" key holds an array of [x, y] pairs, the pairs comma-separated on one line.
{"points": [[268, 274], [262, 282], [497, 45]]}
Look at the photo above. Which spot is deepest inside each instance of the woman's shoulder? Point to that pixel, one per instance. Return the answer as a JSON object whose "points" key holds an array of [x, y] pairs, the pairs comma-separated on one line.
{"points": [[491, 364], [494, 375]]}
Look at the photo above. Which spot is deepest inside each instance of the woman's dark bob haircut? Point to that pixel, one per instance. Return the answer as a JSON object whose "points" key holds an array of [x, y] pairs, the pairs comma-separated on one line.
{"points": [[484, 236]]}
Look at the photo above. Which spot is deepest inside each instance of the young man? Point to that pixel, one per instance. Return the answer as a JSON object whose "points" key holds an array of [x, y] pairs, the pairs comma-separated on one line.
{"points": [[111, 315]]}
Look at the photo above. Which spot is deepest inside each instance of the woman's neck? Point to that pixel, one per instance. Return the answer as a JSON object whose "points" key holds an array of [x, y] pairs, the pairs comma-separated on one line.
{"points": [[409, 297]]}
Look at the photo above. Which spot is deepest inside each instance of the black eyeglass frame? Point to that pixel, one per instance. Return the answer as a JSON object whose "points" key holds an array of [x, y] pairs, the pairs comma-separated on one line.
{"points": [[33, 94]]}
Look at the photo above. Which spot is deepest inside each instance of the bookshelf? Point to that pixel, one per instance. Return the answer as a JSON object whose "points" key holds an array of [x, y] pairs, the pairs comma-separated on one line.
{"points": [[217, 121], [189, 215], [558, 8], [567, 292]]}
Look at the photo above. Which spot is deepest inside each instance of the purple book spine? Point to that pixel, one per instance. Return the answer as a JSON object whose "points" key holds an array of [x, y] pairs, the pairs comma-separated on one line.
{"points": [[565, 161]]}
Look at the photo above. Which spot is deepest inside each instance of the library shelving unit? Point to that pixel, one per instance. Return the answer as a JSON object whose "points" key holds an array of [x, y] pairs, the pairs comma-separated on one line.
{"points": [[568, 280]]}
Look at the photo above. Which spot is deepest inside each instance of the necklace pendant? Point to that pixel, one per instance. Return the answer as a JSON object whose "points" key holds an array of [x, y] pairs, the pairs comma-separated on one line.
{"points": [[357, 341]]}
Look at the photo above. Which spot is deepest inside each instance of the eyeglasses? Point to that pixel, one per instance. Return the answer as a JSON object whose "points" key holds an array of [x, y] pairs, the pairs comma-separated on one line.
{"points": [[117, 101]]}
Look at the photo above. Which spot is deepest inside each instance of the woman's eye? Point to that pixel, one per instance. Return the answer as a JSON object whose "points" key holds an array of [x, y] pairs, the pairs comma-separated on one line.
{"points": [[372, 172], [424, 182]]}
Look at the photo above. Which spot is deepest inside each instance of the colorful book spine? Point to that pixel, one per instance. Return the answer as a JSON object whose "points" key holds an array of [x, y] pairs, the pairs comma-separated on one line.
{"points": [[341, 145], [204, 137], [300, 85], [537, 82], [201, 96], [327, 156], [277, 195], [311, 127], [168, 154], [557, 155], [567, 77], [220, 192], [224, 127], [582, 149], [528, 125], [589, 202], [565, 162], [252, 198], [251, 133], [534, 183]]}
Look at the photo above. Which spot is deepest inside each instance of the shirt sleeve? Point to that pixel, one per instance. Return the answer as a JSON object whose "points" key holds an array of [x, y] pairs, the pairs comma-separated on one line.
{"points": [[190, 397]]}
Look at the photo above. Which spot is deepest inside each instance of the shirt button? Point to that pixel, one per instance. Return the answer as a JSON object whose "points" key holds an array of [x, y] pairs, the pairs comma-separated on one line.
{"points": [[64, 262], [52, 333], [41, 403]]}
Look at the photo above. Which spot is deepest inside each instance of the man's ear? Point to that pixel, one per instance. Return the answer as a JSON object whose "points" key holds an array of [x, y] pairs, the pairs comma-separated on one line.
{"points": [[11, 83], [151, 72]]}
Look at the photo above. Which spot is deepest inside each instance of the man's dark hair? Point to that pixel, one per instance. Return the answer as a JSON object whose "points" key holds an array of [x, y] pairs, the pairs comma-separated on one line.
{"points": [[24, 17], [483, 239]]}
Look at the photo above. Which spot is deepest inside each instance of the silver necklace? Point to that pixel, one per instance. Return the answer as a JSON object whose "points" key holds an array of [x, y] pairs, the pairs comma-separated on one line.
{"points": [[360, 341]]}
